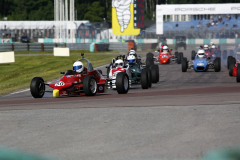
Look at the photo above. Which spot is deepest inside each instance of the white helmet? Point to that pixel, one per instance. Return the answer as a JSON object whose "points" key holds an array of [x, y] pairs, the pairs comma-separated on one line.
{"points": [[78, 66], [205, 46], [131, 59], [213, 46], [201, 53], [165, 47], [132, 52], [119, 63]]}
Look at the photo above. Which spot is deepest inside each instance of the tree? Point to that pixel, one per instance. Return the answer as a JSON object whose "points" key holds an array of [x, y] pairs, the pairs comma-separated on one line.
{"points": [[95, 12]]}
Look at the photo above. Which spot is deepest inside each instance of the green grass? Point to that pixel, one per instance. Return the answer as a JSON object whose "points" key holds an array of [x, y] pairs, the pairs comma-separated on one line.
{"points": [[18, 75]]}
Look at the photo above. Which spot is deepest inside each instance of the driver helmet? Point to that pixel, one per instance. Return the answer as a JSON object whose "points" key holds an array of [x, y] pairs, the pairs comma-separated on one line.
{"points": [[119, 63], [201, 53], [78, 66], [213, 46], [165, 48], [205, 47], [132, 52], [131, 59]]}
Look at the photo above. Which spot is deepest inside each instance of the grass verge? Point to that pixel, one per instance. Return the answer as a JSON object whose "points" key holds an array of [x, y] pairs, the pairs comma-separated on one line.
{"points": [[18, 75]]}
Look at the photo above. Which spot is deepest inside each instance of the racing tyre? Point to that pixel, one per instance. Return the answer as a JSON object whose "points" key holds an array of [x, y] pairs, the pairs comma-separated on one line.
{"points": [[231, 66], [144, 79], [89, 85], [180, 57], [122, 83], [37, 87], [238, 73], [149, 59], [184, 65], [149, 78], [155, 73], [228, 61], [193, 55], [217, 64]]}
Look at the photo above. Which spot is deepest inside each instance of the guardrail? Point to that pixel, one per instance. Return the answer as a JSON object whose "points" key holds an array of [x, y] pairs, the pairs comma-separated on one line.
{"points": [[74, 46]]}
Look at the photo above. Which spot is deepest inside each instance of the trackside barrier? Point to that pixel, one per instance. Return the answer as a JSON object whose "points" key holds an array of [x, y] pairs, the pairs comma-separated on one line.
{"points": [[7, 57], [61, 52]]}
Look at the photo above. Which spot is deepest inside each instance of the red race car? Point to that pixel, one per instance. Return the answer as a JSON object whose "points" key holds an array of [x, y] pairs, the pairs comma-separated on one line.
{"points": [[79, 81], [165, 55]]}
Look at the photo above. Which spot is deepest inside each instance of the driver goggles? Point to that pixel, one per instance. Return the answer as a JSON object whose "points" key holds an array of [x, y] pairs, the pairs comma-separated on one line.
{"points": [[75, 68]]}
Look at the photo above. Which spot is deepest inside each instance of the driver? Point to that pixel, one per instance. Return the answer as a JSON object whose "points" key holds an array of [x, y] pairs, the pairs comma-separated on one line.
{"points": [[131, 59], [201, 53], [78, 66], [165, 48], [132, 52], [119, 63], [205, 47]]}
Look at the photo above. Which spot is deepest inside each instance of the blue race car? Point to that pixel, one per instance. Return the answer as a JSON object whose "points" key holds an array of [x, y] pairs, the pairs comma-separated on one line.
{"points": [[201, 63]]}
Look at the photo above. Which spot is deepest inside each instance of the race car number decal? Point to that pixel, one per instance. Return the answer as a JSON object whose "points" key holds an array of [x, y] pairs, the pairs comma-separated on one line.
{"points": [[60, 83]]}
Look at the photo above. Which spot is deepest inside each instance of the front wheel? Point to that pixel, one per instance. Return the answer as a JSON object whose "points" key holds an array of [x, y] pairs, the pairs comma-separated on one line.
{"points": [[144, 79], [89, 85], [184, 65], [231, 66], [122, 83], [149, 78], [155, 73], [37, 87], [217, 65], [238, 73]]}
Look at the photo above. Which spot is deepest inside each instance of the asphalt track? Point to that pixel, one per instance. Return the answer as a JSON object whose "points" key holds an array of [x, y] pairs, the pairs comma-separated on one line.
{"points": [[181, 117]]}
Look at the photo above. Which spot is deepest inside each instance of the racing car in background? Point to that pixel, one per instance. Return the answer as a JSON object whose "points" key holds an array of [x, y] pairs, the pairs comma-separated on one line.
{"points": [[88, 82], [234, 65], [201, 63], [165, 55], [136, 71]]}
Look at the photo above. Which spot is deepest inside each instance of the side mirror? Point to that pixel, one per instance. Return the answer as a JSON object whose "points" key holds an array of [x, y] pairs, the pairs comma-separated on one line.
{"points": [[62, 72]]}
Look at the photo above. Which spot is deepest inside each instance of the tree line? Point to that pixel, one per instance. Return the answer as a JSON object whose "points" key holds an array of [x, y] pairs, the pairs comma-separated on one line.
{"points": [[93, 10]]}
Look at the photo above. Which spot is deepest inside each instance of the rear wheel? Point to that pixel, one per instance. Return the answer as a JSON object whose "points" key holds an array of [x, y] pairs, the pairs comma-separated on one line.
{"points": [[184, 65], [238, 73], [149, 59], [193, 55], [217, 65], [149, 78], [144, 79], [155, 73], [122, 83], [89, 85], [231, 66], [228, 61], [37, 87]]}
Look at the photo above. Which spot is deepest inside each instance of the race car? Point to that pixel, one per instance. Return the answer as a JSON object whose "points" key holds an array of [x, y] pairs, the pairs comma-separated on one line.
{"points": [[201, 63], [136, 73], [165, 56], [233, 63], [79, 81]]}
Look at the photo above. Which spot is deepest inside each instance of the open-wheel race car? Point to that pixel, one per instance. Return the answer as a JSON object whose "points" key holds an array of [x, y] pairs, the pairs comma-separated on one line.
{"points": [[136, 72], [79, 81], [201, 63], [165, 56], [234, 65]]}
